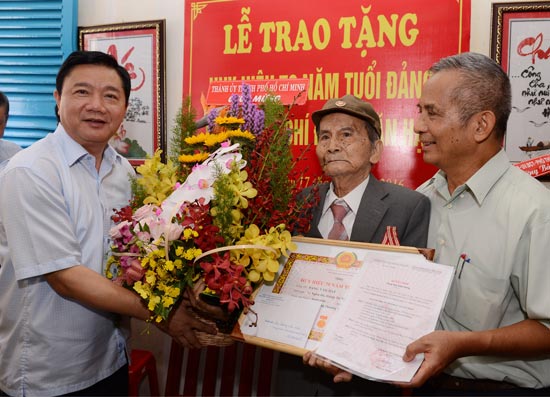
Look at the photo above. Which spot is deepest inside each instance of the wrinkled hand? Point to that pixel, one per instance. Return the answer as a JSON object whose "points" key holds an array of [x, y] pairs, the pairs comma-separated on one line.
{"points": [[339, 375], [182, 325], [440, 349]]}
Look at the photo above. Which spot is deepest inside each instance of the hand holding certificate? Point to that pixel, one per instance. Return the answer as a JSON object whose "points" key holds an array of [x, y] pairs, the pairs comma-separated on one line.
{"points": [[393, 301], [362, 304]]}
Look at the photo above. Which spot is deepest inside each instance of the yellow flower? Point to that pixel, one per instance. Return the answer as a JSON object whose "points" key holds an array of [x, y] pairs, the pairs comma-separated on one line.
{"points": [[142, 289], [157, 179], [153, 302], [150, 277], [242, 134], [254, 276], [228, 120], [193, 158], [199, 138], [189, 234], [167, 301]]}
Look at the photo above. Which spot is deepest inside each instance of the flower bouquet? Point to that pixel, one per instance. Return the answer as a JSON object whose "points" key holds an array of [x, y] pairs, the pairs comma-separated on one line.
{"points": [[218, 214]]}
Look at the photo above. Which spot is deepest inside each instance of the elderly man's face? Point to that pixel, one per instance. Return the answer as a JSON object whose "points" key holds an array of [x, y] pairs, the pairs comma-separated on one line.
{"points": [[344, 149], [446, 142]]}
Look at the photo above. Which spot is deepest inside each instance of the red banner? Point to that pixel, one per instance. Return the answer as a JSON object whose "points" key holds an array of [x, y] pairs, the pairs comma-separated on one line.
{"points": [[537, 166], [288, 91], [378, 51]]}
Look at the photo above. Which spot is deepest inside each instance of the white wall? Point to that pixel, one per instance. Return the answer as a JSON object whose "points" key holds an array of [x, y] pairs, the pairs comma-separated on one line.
{"points": [[101, 12]]}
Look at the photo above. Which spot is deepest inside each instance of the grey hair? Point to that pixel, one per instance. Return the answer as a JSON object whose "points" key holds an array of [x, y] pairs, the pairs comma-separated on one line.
{"points": [[371, 132], [484, 86]]}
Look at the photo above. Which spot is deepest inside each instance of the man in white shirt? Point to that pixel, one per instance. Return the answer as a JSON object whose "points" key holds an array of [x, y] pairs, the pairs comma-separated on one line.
{"points": [[60, 326]]}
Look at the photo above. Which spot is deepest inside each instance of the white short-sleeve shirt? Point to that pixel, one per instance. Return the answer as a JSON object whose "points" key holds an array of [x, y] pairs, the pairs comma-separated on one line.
{"points": [[55, 211]]}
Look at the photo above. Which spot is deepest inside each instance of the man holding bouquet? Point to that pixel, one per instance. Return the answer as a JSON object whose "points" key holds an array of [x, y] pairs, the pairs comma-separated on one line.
{"points": [[60, 325]]}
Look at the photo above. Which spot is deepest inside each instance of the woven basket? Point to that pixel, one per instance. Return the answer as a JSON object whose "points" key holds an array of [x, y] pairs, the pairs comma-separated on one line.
{"points": [[221, 339], [224, 322]]}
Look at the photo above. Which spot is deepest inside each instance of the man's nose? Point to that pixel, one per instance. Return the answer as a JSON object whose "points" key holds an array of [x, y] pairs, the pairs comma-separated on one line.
{"points": [[334, 144], [96, 103], [419, 125]]}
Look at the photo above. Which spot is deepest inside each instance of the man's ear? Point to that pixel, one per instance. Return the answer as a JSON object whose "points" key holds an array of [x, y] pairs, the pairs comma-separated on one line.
{"points": [[484, 123], [376, 153]]}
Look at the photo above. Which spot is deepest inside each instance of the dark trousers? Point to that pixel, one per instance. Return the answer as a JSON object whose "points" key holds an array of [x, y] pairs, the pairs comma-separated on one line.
{"points": [[114, 385], [447, 385]]}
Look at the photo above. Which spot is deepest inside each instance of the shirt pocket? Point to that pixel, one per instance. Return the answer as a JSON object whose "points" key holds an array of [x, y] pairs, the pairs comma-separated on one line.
{"points": [[477, 300]]}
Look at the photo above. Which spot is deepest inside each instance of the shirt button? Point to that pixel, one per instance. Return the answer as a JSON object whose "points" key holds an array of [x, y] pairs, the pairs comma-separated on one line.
{"points": [[449, 206], [441, 241], [462, 195]]}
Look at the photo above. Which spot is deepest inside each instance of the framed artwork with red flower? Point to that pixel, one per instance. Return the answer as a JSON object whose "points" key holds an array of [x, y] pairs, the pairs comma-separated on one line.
{"points": [[139, 47], [520, 43]]}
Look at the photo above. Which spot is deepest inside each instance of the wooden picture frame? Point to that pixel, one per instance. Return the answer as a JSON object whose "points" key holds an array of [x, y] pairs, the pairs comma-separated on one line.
{"points": [[139, 47], [520, 43]]}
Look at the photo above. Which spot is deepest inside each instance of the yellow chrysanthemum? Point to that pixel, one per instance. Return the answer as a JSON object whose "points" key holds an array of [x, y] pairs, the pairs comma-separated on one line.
{"points": [[241, 134], [220, 120], [193, 158], [196, 139]]}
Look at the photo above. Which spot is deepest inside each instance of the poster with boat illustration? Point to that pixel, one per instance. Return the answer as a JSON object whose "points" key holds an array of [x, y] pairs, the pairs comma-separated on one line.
{"points": [[525, 34]]}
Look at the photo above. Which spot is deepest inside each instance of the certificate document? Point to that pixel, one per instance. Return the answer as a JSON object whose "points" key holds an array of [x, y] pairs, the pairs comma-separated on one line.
{"points": [[321, 278], [393, 301], [370, 300]]}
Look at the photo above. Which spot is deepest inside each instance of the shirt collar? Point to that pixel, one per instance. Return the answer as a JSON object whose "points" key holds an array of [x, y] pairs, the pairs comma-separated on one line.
{"points": [[352, 199], [481, 182], [485, 178], [75, 152]]}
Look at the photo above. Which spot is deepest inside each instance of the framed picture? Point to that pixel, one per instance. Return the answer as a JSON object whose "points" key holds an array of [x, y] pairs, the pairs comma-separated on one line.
{"points": [[139, 47], [520, 43]]}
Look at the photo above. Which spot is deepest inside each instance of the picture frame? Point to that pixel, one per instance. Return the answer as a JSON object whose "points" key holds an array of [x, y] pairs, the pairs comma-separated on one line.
{"points": [[140, 48], [520, 43]]}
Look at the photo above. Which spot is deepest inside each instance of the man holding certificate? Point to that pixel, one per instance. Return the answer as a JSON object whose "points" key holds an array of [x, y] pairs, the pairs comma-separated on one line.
{"points": [[492, 222], [354, 206]]}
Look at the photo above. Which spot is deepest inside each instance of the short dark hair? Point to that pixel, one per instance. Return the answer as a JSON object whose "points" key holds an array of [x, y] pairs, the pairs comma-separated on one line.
{"points": [[483, 86], [372, 132], [4, 101], [91, 58]]}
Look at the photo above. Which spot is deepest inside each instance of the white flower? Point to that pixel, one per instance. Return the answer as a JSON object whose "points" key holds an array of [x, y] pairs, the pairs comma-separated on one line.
{"points": [[200, 182]]}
